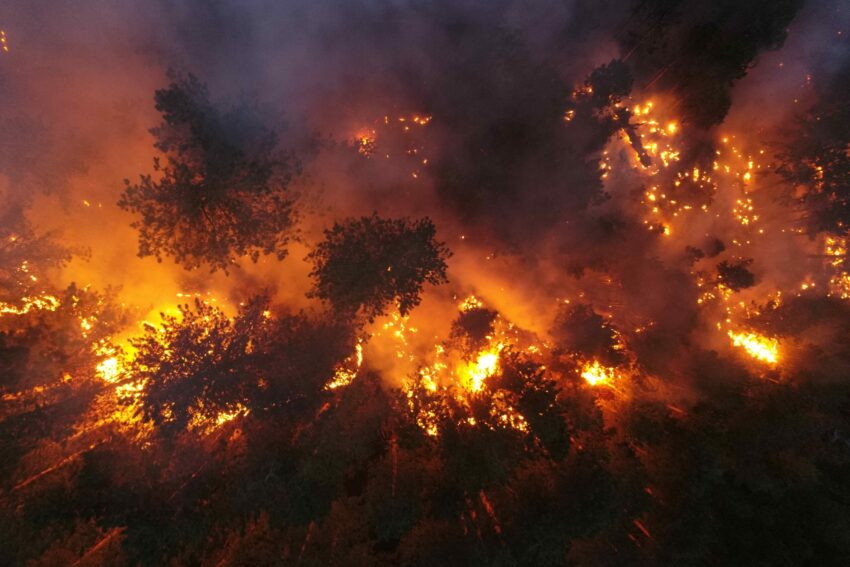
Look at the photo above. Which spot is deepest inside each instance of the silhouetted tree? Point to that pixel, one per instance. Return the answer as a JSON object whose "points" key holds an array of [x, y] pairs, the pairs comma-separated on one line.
{"points": [[24, 257], [735, 275], [697, 49], [365, 264], [578, 329], [198, 363], [222, 192], [472, 327]]}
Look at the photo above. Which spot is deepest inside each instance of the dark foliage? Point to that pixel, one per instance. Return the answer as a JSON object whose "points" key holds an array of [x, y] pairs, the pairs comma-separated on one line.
{"points": [[696, 50], [815, 159], [473, 326], [364, 265], [202, 363], [735, 275], [222, 192], [579, 329]]}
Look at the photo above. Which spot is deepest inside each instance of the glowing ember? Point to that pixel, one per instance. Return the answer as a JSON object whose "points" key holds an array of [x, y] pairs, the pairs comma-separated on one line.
{"points": [[205, 423], [225, 416], [835, 250], [470, 303], [759, 347], [365, 140]]}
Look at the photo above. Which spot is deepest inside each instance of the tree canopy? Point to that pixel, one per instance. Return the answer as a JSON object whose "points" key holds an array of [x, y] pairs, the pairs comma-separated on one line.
{"points": [[364, 265], [223, 190]]}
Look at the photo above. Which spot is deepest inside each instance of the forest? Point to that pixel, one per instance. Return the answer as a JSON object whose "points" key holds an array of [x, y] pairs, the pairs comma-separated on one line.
{"points": [[409, 282]]}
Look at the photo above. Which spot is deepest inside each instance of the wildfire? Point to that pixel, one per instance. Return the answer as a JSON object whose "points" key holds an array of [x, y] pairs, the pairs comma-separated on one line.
{"points": [[205, 423], [365, 140], [597, 375], [4, 45], [835, 249], [759, 347], [346, 374], [676, 193], [456, 380], [473, 374], [109, 369], [44, 302]]}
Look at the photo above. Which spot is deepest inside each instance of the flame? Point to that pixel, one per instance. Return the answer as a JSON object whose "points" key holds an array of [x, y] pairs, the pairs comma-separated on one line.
{"points": [[473, 374], [597, 375], [44, 302], [759, 347], [205, 423], [470, 303], [345, 375], [109, 369], [225, 416], [365, 139]]}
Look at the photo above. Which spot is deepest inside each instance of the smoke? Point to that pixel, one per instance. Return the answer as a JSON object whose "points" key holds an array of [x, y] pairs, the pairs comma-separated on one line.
{"points": [[516, 191]]}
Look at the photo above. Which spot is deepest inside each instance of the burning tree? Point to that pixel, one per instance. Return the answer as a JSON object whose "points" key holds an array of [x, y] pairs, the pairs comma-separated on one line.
{"points": [[578, 329], [24, 258], [363, 265], [202, 368], [197, 366], [222, 192], [698, 50]]}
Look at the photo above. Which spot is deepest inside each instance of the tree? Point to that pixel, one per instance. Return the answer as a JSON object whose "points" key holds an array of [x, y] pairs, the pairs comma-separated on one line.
{"points": [[472, 328], [578, 329], [222, 192], [367, 263], [198, 364], [735, 275], [697, 50], [815, 158], [24, 257], [202, 363]]}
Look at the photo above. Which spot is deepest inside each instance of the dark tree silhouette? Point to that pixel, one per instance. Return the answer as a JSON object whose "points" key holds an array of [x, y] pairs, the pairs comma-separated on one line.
{"points": [[198, 363], [579, 329], [367, 263], [222, 192], [24, 256], [697, 49], [202, 362], [735, 275], [472, 327]]}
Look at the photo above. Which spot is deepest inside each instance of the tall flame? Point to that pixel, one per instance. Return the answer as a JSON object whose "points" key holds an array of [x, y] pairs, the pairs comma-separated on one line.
{"points": [[759, 347]]}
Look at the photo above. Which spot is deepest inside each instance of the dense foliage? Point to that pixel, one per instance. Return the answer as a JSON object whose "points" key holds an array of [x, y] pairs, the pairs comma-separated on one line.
{"points": [[625, 369], [367, 264], [222, 192]]}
